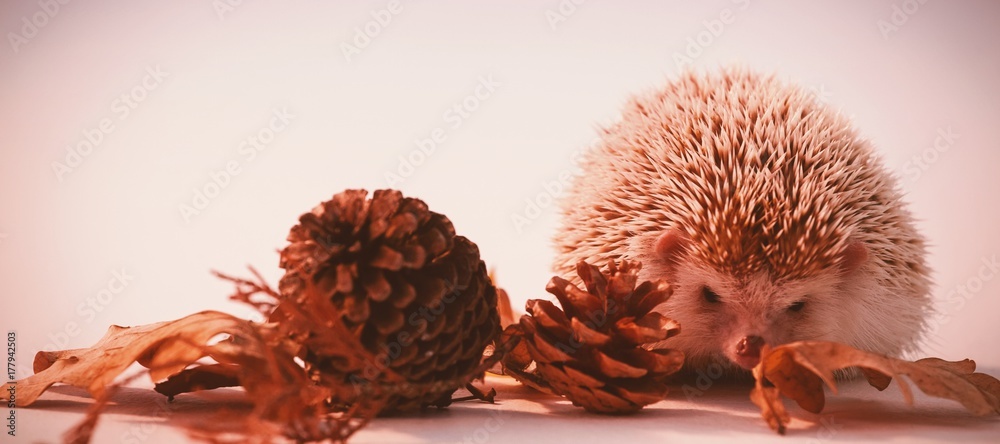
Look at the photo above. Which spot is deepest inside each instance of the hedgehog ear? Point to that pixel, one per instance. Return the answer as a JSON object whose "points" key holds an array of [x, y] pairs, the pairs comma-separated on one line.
{"points": [[669, 246], [855, 255]]}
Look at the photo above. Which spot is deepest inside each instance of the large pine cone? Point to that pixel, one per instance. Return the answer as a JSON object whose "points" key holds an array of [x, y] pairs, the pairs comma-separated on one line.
{"points": [[416, 296], [592, 350]]}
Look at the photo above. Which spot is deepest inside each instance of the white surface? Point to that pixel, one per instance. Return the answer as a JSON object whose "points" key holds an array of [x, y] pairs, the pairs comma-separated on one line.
{"points": [[61, 242], [719, 413]]}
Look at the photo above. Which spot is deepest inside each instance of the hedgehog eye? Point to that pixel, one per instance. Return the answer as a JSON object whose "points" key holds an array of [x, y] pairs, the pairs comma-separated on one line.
{"points": [[798, 306], [710, 296]]}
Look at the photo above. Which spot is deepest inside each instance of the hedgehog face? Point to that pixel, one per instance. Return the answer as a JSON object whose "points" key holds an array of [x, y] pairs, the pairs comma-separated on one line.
{"points": [[724, 315]]}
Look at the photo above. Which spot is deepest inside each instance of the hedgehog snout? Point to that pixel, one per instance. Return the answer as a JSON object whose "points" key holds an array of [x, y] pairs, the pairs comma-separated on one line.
{"points": [[747, 351]]}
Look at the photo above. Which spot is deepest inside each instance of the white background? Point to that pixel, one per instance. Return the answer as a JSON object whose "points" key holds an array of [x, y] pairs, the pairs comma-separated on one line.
{"points": [[561, 74]]}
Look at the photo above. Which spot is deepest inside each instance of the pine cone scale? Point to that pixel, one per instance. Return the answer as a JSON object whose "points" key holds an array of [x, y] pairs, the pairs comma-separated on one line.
{"points": [[546, 353], [640, 393], [435, 242], [589, 336], [575, 302], [403, 294], [401, 226], [650, 295], [547, 314], [664, 362], [345, 275], [645, 330], [387, 320], [388, 259], [430, 291], [614, 368], [580, 378], [356, 308]]}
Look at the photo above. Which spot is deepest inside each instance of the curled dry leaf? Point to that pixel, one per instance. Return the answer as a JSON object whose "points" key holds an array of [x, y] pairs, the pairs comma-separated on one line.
{"points": [[799, 370], [165, 348], [280, 391], [507, 314], [508, 319]]}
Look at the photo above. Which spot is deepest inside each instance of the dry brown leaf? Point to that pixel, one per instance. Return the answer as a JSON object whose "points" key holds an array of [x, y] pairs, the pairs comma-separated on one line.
{"points": [[254, 356], [279, 389], [798, 371], [508, 315], [165, 348], [203, 377], [767, 397], [508, 320]]}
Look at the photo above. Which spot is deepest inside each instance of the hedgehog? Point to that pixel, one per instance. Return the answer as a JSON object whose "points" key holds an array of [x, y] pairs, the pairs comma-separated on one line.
{"points": [[770, 217]]}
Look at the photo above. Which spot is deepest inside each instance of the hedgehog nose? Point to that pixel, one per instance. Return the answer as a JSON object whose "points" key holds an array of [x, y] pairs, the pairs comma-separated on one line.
{"points": [[749, 347]]}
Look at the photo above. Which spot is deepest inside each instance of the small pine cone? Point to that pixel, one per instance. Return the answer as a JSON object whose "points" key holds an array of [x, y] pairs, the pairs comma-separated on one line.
{"points": [[592, 350], [416, 296]]}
